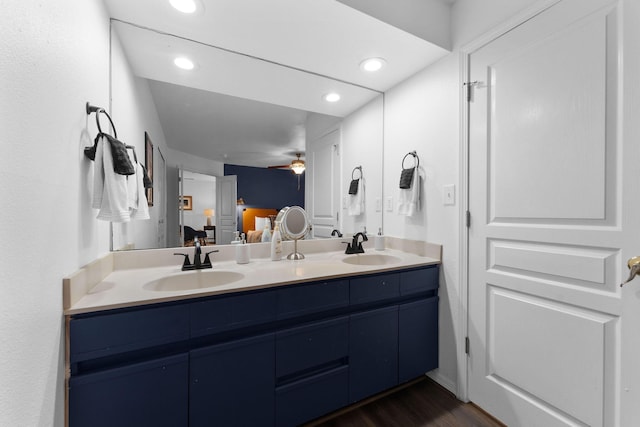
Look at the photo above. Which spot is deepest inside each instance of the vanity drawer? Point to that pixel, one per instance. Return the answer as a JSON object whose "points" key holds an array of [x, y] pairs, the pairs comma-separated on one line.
{"points": [[417, 281], [312, 345], [299, 300], [374, 288], [232, 312], [312, 397], [108, 334]]}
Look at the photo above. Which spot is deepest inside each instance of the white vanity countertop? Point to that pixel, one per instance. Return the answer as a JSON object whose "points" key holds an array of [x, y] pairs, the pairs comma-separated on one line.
{"points": [[125, 287]]}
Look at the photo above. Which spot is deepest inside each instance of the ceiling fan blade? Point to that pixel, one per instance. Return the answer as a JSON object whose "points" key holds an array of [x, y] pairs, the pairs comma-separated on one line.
{"points": [[279, 167]]}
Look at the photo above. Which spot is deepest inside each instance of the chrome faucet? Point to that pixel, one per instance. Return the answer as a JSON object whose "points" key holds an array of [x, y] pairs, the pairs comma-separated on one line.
{"points": [[198, 264], [355, 247]]}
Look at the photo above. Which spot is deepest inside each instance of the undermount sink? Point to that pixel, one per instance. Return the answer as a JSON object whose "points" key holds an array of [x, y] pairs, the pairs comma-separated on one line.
{"points": [[193, 280], [371, 259]]}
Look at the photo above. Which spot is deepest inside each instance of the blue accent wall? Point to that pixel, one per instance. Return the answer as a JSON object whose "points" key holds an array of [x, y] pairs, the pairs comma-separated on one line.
{"points": [[266, 188]]}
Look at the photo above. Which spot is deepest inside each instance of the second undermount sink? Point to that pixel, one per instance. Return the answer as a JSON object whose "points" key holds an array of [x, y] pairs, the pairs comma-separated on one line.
{"points": [[371, 259], [193, 280]]}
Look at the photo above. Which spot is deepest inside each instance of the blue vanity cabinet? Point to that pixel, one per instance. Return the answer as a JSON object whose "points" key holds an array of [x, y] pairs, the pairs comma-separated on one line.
{"points": [[279, 356], [151, 393], [418, 323], [417, 338], [232, 384], [373, 354]]}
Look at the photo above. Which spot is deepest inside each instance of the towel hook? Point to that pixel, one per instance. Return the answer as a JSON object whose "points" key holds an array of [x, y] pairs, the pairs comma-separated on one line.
{"points": [[93, 109], [354, 171], [415, 156]]}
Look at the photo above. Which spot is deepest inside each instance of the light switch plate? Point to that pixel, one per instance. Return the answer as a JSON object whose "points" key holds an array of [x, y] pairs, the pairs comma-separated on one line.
{"points": [[449, 194], [388, 204]]}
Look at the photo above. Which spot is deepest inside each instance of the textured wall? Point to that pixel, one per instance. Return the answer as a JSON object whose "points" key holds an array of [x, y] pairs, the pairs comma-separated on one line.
{"points": [[54, 57]]}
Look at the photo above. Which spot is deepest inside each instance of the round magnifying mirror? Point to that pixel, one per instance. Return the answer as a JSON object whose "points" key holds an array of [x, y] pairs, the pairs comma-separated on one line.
{"points": [[294, 225]]}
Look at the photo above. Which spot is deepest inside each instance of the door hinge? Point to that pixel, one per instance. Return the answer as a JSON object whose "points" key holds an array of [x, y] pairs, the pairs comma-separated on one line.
{"points": [[469, 86], [468, 219], [466, 345]]}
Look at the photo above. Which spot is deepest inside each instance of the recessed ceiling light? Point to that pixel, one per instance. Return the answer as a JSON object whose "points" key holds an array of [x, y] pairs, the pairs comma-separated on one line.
{"points": [[332, 97], [372, 64], [184, 63], [184, 6]]}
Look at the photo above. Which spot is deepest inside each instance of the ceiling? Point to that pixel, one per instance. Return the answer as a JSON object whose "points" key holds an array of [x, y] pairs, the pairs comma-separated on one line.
{"points": [[261, 67]]}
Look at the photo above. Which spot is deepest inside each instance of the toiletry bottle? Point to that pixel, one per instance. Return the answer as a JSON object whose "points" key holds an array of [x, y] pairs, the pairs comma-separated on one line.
{"points": [[276, 244], [242, 253], [378, 240], [236, 240], [266, 233]]}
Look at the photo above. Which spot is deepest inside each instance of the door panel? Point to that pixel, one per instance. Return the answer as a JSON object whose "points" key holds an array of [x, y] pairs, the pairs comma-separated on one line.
{"points": [[539, 360], [323, 174], [226, 213], [546, 241]]}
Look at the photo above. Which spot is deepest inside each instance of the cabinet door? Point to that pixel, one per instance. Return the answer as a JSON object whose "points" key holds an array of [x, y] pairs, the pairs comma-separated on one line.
{"points": [[373, 358], [233, 384], [152, 393], [418, 338]]}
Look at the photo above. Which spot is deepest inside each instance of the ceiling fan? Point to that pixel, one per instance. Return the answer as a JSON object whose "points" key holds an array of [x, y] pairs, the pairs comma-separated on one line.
{"points": [[296, 166]]}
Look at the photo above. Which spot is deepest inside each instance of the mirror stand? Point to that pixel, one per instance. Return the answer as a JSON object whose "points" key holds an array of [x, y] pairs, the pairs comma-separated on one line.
{"points": [[295, 255]]}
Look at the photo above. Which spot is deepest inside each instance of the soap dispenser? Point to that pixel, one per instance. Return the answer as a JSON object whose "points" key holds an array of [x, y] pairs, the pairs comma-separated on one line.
{"points": [[236, 240], [242, 252], [378, 241]]}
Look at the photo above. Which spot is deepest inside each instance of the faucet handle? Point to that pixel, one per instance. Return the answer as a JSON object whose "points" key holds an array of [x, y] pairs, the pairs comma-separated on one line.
{"points": [[206, 256], [186, 262]]}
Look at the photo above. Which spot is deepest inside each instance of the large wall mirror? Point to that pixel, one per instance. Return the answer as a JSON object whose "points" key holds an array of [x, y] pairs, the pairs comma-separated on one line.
{"points": [[254, 98]]}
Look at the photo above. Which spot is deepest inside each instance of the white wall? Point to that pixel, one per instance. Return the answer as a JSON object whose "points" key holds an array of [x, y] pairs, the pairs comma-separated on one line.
{"points": [[362, 145], [422, 114], [54, 57]]}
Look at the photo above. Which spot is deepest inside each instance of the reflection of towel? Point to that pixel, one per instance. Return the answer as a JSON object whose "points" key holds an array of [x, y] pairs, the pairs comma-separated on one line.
{"points": [[353, 187], [138, 204], [406, 178], [356, 201], [409, 199]]}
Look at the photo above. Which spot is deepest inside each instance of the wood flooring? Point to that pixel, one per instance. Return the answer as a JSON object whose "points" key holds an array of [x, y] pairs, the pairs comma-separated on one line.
{"points": [[422, 403]]}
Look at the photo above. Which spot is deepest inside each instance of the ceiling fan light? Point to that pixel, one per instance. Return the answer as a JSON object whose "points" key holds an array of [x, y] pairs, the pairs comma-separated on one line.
{"points": [[297, 166]]}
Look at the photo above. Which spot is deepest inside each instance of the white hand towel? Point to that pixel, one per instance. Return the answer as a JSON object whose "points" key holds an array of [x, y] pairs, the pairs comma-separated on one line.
{"points": [[409, 199], [356, 201], [140, 206], [110, 188]]}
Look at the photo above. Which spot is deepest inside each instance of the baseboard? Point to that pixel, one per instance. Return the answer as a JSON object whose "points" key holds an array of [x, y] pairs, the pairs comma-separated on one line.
{"points": [[444, 381]]}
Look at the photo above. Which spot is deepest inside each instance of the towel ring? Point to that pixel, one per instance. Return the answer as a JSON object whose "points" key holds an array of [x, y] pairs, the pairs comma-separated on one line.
{"points": [[93, 109], [354, 171], [415, 156]]}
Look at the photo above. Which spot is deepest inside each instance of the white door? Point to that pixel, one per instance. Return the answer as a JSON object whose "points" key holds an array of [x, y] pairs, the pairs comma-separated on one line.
{"points": [[226, 212], [554, 170], [323, 177]]}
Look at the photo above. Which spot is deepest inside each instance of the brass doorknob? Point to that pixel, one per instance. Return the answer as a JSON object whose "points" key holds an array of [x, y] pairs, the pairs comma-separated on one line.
{"points": [[634, 268]]}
